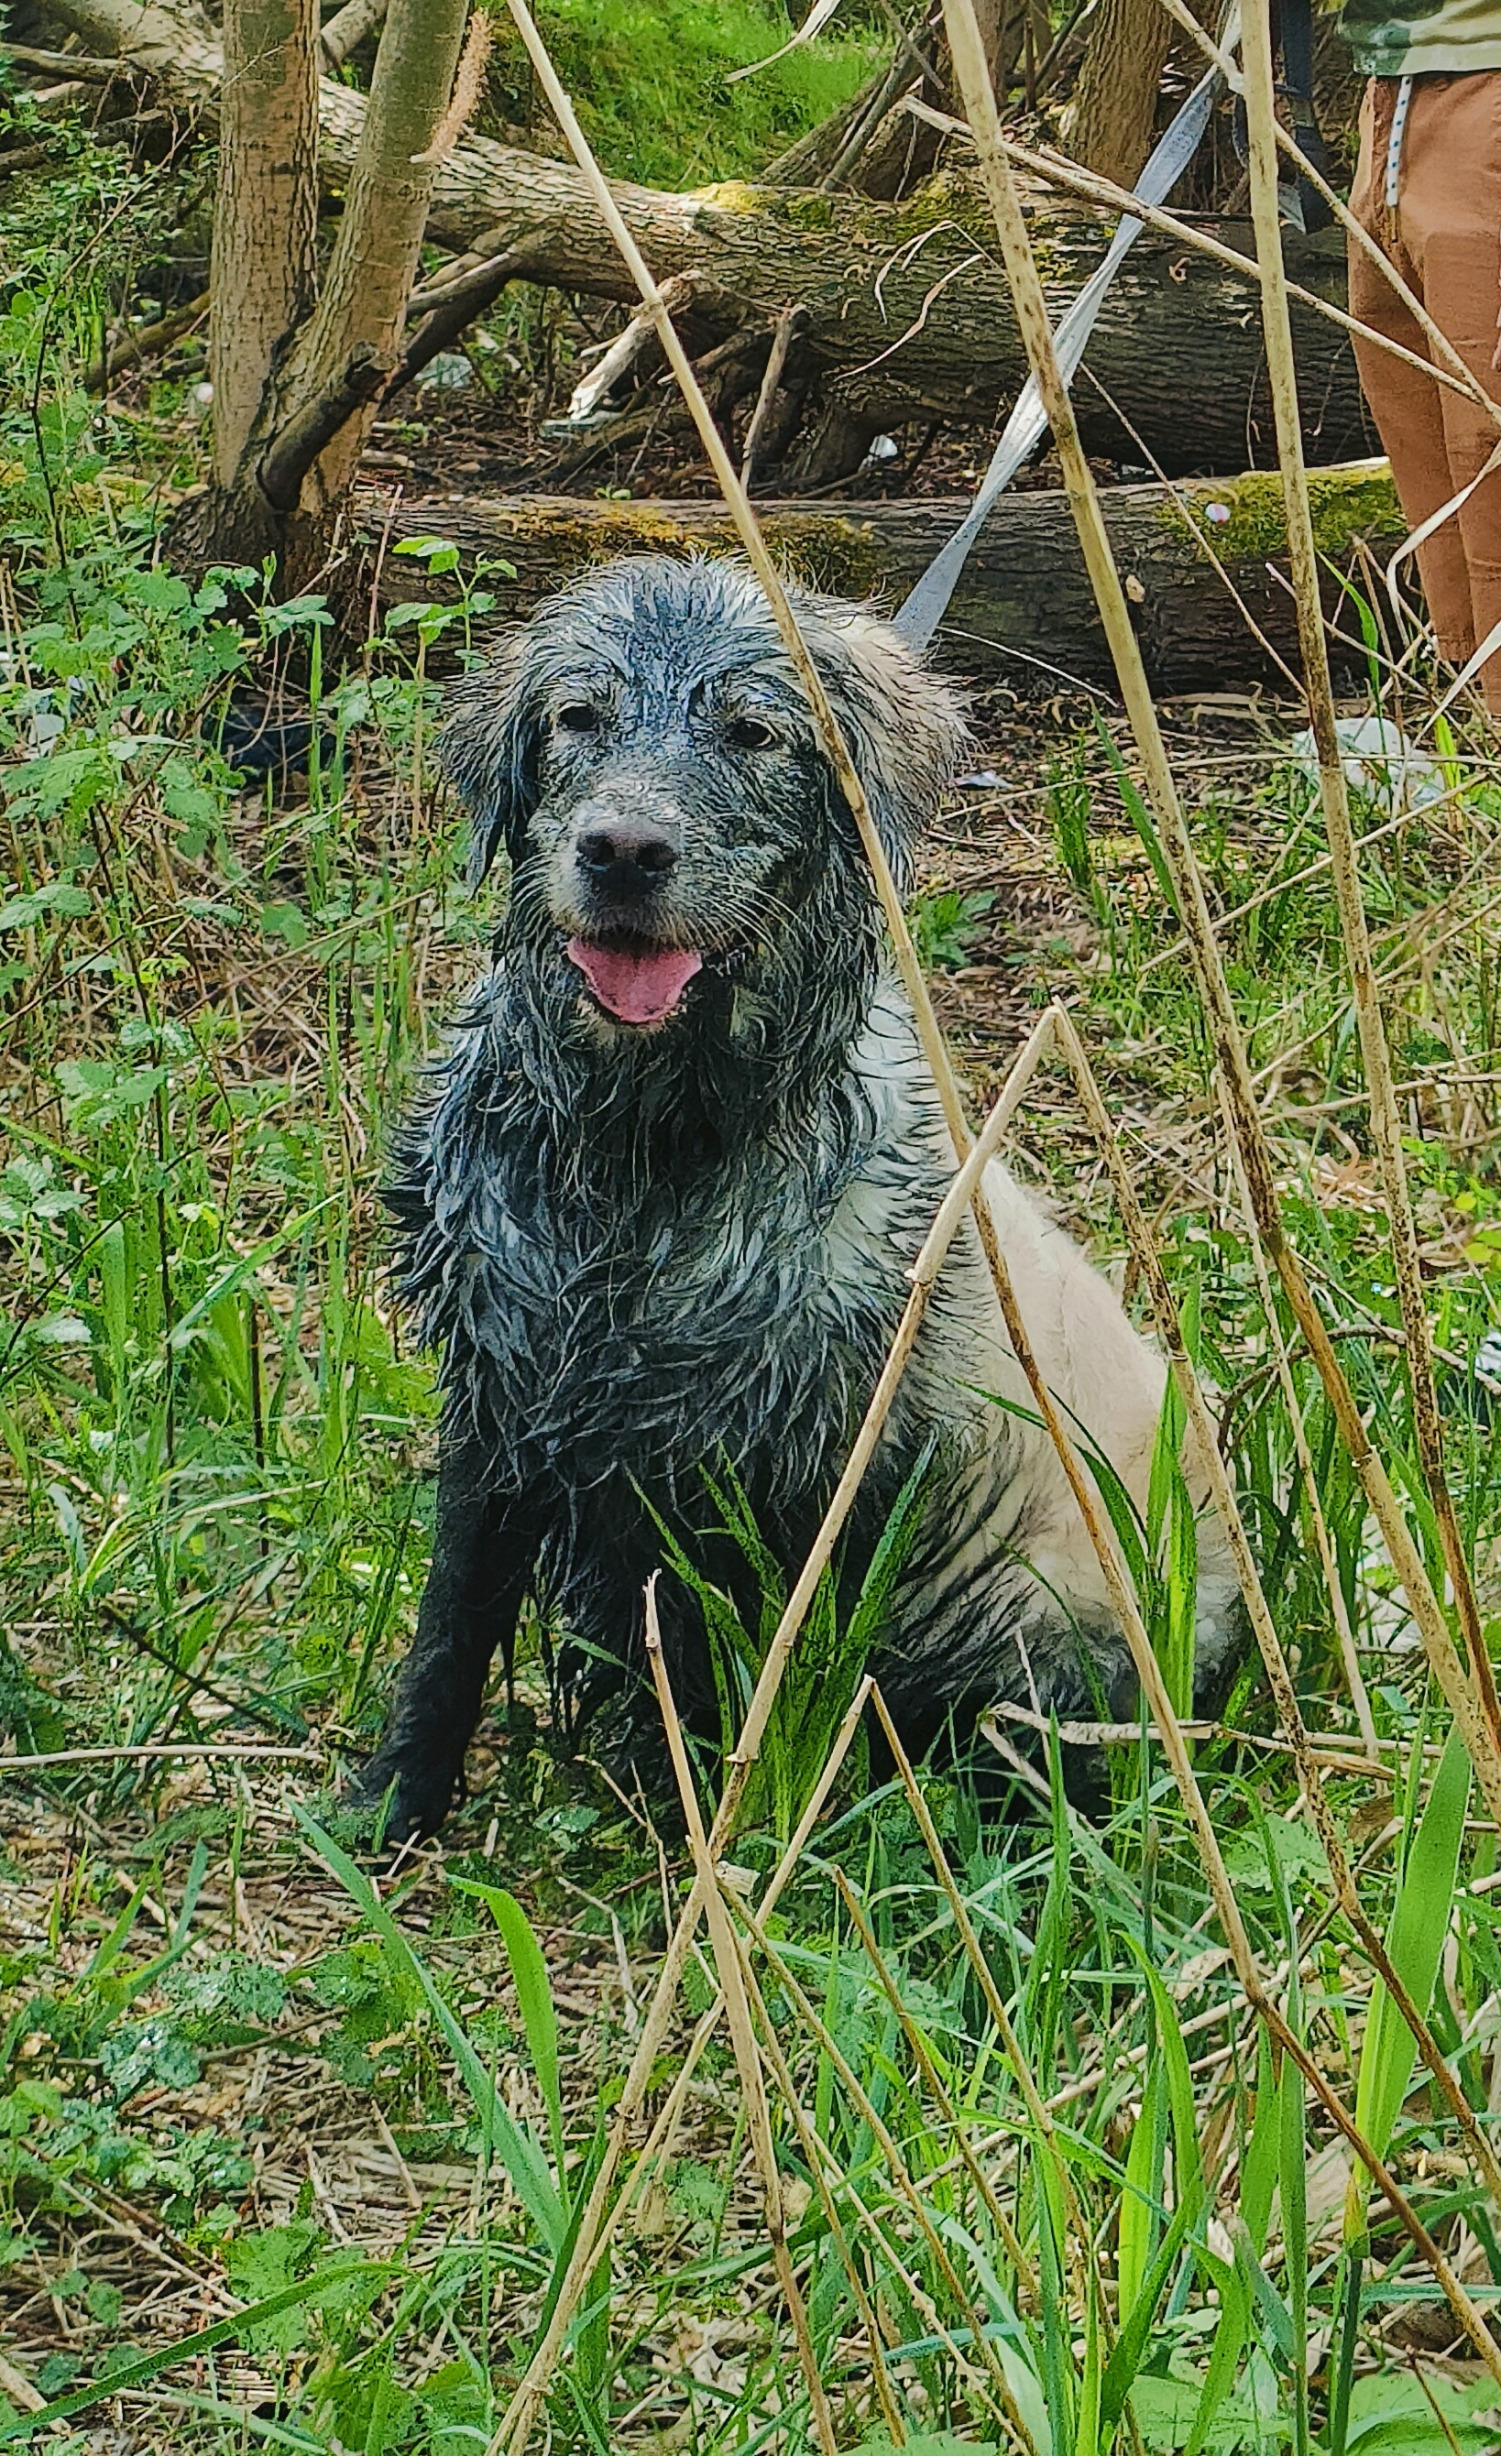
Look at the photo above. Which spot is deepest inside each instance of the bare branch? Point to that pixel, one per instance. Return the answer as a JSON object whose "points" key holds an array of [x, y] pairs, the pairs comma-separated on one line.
{"points": [[291, 454], [348, 28]]}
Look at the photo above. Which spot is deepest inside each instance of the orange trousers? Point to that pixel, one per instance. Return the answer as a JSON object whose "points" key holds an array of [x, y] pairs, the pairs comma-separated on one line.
{"points": [[1444, 238]]}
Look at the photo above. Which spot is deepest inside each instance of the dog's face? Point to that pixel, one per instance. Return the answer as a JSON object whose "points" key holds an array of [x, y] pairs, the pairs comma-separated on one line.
{"points": [[643, 749]]}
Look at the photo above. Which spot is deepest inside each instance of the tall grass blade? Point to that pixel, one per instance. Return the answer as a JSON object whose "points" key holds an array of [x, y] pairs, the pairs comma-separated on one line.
{"points": [[518, 2152], [534, 1995], [1415, 1942]]}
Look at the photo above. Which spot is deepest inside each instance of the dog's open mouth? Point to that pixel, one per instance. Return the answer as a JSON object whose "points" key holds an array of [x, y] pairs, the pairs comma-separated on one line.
{"points": [[634, 979]]}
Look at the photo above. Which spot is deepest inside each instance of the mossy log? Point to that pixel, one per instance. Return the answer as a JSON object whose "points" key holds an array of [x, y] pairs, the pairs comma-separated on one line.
{"points": [[1023, 611], [908, 314]]}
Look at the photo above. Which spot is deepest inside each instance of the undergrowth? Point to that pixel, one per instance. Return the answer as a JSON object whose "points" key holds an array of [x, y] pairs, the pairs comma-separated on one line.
{"points": [[655, 88], [293, 2155]]}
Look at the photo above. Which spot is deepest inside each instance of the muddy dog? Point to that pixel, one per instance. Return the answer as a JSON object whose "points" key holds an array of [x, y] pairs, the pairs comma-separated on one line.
{"points": [[658, 1210]]}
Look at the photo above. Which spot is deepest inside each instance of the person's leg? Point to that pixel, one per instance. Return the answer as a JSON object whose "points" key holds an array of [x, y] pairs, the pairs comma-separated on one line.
{"points": [[1406, 405], [1451, 226]]}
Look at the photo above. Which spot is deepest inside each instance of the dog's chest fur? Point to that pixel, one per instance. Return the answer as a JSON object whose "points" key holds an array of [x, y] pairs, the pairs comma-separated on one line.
{"points": [[603, 1328]]}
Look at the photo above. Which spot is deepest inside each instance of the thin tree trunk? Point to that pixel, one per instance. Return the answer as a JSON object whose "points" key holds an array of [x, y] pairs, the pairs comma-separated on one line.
{"points": [[1109, 123], [266, 210], [374, 263]]}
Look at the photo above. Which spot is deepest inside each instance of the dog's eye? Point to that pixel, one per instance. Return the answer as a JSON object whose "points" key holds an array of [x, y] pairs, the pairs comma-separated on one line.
{"points": [[579, 717], [748, 733]]}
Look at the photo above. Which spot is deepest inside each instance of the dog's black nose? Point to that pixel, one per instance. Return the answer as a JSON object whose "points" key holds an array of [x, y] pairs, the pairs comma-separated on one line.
{"points": [[626, 858]]}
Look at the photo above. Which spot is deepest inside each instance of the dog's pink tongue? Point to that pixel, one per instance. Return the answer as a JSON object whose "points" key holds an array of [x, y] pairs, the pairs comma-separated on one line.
{"points": [[635, 988]]}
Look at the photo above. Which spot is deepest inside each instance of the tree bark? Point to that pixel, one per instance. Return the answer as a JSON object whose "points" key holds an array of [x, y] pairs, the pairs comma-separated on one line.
{"points": [[298, 378], [909, 314], [1024, 610], [1108, 126], [362, 309], [265, 210]]}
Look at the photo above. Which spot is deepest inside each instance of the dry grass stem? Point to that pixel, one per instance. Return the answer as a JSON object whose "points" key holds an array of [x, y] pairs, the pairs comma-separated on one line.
{"points": [[1015, 2252], [814, 2153], [896, 2164], [1205, 1449], [742, 2031], [1386, 1125], [1093, 188], [1219, 1011], [1350, 1661]]}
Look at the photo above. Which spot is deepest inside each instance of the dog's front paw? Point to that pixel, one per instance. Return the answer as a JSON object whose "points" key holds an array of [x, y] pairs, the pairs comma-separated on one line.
{"points": [[405, 1795]]}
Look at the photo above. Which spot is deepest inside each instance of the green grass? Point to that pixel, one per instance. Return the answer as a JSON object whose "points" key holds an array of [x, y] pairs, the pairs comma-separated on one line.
{"points": [[290, 2157], [651, 82]]}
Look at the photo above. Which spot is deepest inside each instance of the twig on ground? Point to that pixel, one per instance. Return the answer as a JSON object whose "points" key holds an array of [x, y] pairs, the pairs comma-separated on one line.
{"points": [[789, 323], [624, 351]]}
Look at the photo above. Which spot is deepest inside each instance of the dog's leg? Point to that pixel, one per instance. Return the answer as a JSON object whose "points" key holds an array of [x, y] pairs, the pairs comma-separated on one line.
{"points": [[483, 1556]]}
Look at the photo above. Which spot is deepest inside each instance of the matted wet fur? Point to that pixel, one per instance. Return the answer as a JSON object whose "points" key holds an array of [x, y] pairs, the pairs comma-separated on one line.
{"points": [[658, 1211]]}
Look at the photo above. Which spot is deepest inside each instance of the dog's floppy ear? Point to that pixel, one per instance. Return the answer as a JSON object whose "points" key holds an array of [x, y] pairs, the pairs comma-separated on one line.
{"points": [[904, 725], [489, 747]]}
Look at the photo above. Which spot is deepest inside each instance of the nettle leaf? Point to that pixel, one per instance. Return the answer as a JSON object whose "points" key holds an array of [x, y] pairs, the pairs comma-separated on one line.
{"points": [[227, 1983], [24, 910], [142, 2051]]}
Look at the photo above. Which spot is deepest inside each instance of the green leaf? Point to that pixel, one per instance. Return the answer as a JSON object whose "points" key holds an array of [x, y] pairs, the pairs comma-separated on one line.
{"points": [[534, 1994], [1415, 1942], [516, 2149]]}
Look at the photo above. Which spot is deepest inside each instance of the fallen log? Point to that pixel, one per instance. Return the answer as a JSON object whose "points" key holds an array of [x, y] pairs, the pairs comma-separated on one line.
{"points": [[1024, 610], [908, 314]]}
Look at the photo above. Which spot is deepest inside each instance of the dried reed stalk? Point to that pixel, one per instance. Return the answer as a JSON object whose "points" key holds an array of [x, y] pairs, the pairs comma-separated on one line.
{"points": [[818, 2157], [602, 2215], [1386, 1125], [1354, 1681], [968, 54], [1205, 1449], [1093, 188], [890, 2148], [924, 1273], [742, 2031], [1032, 320], [1026, 2275], [1253, 1986]]}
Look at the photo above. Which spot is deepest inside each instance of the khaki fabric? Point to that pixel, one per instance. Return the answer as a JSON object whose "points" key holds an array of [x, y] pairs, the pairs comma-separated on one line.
{"points": [[1444, 238]]}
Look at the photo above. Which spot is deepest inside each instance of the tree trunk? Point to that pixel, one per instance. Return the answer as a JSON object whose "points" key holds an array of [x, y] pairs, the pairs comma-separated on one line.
{"points": [[298, 383], [265, 211], [1109, 124], [1024, 609], [909, 313], [374, 262]]}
